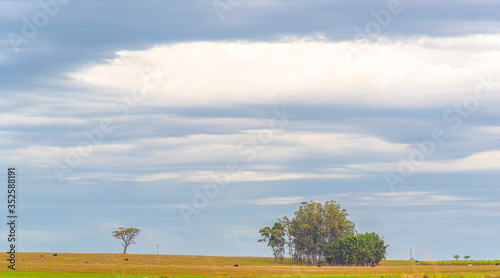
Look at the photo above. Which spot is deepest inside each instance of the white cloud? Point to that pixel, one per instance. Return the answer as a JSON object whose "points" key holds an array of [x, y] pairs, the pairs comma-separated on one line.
{"points": [[15, 120], [295, 199], [406, 194], [267, 176], [197, 154], [207, 176], [487, 160], [390, 199], [340, 143], [404, 73], [201, 154], [278, 200], [487, 131], [416, 198]]}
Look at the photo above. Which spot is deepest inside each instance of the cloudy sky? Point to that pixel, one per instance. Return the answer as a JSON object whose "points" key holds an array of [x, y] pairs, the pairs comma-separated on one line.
{"points": [[201, 122]]}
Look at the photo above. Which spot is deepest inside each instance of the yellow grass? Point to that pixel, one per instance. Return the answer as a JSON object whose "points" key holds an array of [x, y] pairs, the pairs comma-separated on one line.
{"points": [[214, 266]]}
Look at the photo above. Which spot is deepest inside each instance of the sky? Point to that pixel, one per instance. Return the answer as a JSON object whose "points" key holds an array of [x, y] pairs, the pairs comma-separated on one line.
{"points": [[201, 122]]}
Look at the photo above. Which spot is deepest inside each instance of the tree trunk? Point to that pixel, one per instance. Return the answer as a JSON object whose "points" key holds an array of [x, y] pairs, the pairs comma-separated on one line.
{"points": [[125, 249]]}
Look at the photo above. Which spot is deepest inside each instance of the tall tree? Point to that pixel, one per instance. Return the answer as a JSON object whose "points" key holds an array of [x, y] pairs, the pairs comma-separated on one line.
{"points": [[287, 225], [275, 238], [306, 226], [127, 235], [336, 224]]}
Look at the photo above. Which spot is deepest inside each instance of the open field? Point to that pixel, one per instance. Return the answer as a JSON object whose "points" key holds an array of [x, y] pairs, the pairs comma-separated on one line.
{"points": [[42, 265], [497, 262], [90, 275]]}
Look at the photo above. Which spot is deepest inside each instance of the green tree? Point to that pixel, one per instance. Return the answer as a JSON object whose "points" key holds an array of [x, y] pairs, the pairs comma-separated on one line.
{"points": [[275, 238], [127, 235], [456, 257], [287, 225], [467, 257], [335, 222], [307, 230], [376, 247], [359, 249]]}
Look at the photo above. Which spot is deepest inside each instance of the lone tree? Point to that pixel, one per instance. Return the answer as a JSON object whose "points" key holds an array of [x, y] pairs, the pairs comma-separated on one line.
{"points": [[467, 257], [456, 257], [127, 235]]}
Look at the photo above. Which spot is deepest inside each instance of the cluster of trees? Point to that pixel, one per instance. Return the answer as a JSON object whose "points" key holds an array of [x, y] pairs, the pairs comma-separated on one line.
{"points": [[304, 236], [359, 249], [314, 229]]}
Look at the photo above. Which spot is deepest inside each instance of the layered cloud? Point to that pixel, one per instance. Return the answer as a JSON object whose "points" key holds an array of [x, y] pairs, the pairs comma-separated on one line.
{"points": [[390, 199], [417, 72], [487, 160], [195, 157]]}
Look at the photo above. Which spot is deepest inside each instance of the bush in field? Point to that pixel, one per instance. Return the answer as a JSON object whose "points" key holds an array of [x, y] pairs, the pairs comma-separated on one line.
{"points": [[360, 249]]}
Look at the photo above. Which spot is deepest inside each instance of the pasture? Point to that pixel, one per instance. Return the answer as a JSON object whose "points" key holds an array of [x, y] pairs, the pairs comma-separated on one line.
{"points": [[76, 265]]}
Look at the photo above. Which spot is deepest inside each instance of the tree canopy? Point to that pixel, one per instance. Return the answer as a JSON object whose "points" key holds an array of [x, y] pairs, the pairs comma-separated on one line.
{"points": [[359, 249], [127, 235]]}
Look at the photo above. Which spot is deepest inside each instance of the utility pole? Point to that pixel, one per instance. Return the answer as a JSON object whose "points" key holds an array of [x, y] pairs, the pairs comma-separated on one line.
{"points": [[411, 262], [158, 252]]}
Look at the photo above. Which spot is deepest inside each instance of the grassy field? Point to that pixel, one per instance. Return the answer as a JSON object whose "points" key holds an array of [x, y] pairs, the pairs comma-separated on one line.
{"points": [[497, 262], [89, 275], [44, 265]]}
